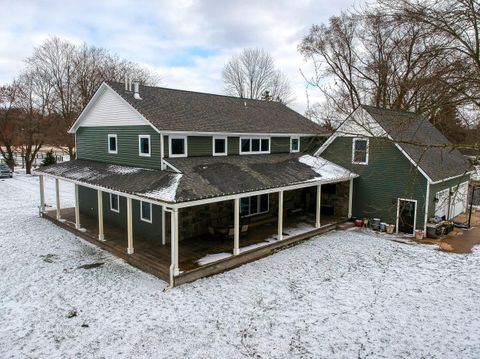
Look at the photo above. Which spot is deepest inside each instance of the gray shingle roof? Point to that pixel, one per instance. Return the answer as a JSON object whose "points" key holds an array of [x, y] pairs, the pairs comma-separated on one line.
{"points": [[203, 177], [178, 110], [409, 130]]}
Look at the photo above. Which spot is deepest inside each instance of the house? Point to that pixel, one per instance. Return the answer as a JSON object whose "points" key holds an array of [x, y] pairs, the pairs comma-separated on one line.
{"points": [[408, 171], [186, 184]]}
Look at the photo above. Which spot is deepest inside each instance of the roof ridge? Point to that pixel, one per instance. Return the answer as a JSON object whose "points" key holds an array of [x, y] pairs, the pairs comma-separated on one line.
{"points": [[391, 110], [201, 93]]}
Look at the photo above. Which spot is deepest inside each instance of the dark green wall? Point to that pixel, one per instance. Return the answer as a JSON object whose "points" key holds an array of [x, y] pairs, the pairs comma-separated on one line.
{"points": [[92, 144], [280, 145], [88, 206], [200, 146], [389, 175], [233, 145], [434, 188]]}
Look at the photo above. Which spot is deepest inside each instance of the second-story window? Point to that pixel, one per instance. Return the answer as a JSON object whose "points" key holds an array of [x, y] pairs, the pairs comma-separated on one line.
{"points": [[254, 145], [294, 144], [144, 148], [178, 146], [112, 144], [360, 151], [219, 146]]}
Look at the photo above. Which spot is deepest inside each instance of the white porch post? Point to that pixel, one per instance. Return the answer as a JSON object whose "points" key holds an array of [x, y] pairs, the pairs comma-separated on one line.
{"points": [[77, 208], [174, 241], [101, 235], [163, 226], [130, 249], [236, 225], [319, 206], [350, 198], [280, 215], [42, 194], [57, 193]]}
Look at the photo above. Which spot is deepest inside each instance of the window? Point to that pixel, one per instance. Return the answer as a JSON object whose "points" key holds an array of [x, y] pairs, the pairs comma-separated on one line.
{"points": [[178, 146], [112, 144], [250, 206], [360, 151], [219, 146], [114, 203], [254, 145], [144, 145], [146, 212], [294, 144]]}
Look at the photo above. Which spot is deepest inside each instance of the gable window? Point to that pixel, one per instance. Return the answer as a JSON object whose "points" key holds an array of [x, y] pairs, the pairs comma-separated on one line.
{"points": [[178, 146], [254, 145], [253, 205], [144, 147], [294, 144], [146, 211], [219, 146], [360, 151], [112, 144], [114, 203]]}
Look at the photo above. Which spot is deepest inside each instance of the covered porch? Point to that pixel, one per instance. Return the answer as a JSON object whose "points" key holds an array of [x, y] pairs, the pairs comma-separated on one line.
{"points": [[201, 237]]}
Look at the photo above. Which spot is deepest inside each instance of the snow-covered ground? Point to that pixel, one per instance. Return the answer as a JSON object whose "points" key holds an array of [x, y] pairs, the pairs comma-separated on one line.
{"points": [[341, 295]]}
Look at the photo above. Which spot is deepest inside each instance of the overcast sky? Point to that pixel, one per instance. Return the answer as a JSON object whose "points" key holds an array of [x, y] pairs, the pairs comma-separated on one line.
{"points": [[186, 42]]}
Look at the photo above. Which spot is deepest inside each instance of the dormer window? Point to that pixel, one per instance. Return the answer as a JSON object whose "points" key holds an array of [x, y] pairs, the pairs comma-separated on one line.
{"points": [[178, 146], [294, 144], [219, 146], [144, 148], [254, 145], [112, 144], [360, 151]]}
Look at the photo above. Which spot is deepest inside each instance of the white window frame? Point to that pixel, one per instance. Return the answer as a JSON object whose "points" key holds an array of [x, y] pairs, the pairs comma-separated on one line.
{"points": [[213, 145], [141, 212], [291, 144], [117, 210], [112, 135], [250, 138], [149, 154], [354, 140], [177, 137], [258, 205]]}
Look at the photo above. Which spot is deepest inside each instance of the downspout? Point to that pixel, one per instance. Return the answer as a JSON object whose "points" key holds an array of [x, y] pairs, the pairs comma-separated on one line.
{"points": [[427, 205], [162, 152]]}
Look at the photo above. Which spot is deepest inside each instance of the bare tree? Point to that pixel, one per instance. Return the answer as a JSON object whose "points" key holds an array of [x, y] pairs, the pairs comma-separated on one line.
{"points": [[9, 117], [252, 74]]}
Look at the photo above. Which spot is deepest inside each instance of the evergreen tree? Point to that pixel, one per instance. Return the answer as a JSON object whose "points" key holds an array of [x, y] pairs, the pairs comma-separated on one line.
{"points": [[49, 159]]}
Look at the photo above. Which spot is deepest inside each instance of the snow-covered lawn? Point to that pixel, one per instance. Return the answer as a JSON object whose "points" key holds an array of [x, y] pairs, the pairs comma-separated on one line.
{"points": [[341, 295]]}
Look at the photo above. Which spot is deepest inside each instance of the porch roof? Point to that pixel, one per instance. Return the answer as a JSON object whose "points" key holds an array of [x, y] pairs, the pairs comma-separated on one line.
{"points": [[203, 177]]}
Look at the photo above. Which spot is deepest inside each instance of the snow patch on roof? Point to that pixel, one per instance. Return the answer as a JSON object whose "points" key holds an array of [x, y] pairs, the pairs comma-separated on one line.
{"points": [[166, 194], [122, 170], [326, 169], [476, 173]]}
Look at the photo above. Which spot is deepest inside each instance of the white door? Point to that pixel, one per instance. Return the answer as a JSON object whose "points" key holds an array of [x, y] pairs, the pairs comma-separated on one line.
{"points": [[441, 204], [458, 202]]}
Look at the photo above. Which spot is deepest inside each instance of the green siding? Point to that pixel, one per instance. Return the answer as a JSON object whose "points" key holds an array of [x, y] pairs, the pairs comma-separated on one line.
{"points": [[200, 146], [311, 144], [389, 175], [434, 188], [88, 205], [233, 145], [165, 146], [92, 144], [280, 145]]}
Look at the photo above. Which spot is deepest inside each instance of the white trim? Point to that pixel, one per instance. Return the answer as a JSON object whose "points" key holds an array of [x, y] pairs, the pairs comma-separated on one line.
{"points": [[244, 134], [141, 212], [427, 205], [112, 135], [291, 144], [258, 205], [354, 141], [185, 142], [117, 210], [94, 99], [168, 164], [469, 173], [398, 213], [162, 152], [140, 153], [250, 138], [225, 138], [416, 165]]}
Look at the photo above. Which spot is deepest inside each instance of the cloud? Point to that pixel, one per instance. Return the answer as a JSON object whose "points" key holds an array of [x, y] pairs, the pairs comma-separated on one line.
{"points": [[186, 42]]}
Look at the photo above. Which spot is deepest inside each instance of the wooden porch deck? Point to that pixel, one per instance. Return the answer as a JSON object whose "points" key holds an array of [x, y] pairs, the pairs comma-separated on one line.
{"points": [[153, 257]]}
